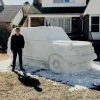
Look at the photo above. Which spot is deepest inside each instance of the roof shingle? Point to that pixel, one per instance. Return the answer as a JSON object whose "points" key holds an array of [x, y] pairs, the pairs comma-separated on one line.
{"points": [[9, 12]]}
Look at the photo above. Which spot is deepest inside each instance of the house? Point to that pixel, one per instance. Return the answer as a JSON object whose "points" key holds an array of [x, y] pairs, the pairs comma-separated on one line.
{"points": [[92, 20], [28, 9], [11, 15], [64, 13]]}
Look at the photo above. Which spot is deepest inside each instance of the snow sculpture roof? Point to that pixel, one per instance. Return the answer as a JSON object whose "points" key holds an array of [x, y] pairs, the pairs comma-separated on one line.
{"points": [[44, 33]]}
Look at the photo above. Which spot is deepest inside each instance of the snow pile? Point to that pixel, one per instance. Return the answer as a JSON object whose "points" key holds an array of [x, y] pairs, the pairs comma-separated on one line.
{"points": [[77, 88], [52, 48], [79, 81], [5, 65]]}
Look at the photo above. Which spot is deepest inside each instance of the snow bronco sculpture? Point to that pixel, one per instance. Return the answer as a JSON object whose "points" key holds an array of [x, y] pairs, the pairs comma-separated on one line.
{"points": [[52, 46]]}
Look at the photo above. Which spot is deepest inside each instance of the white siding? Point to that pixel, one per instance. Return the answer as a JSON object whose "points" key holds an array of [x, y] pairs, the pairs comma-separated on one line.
{"points": [[93, 7], [18, 18], [72, 3]]}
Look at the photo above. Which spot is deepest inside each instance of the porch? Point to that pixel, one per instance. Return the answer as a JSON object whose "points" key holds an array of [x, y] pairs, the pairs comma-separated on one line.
{"points": [[72, 24]]}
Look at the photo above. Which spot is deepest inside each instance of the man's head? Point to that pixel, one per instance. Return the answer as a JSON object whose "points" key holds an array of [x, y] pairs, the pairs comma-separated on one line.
{"points": [[17, 30]]}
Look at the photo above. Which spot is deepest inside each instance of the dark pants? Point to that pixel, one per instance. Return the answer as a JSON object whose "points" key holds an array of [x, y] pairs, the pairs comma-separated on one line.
{"points": [[19, 52]]}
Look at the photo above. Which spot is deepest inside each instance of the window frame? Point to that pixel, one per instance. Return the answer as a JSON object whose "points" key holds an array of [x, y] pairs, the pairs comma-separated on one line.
{"points": [[95, 25]]}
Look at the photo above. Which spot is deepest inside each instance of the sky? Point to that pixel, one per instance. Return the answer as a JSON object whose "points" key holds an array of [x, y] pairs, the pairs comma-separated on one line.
{"points": [[15, 2]]}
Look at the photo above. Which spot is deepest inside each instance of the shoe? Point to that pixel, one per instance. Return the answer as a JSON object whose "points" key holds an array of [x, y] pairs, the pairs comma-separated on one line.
{"points": [[13, 70], [22, 69]]}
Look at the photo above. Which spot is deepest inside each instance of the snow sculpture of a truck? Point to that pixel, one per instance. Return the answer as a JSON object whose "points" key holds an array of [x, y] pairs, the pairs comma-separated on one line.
{"points": [[52, 46]]}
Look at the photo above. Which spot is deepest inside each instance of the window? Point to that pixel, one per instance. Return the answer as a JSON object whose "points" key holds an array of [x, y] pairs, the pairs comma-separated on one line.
{"points": [[65, 23], [94, 24], [61, 1], [66, 0]]}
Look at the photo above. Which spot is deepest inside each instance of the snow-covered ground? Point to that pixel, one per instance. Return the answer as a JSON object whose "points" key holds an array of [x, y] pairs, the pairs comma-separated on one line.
{"points": [[4, 65], [50, 53], [80, 80]]}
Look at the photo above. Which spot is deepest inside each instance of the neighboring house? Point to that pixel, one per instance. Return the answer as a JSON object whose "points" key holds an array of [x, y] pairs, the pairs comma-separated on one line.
{"points": [[64, 13], [32, 10], [28, 9], [92, 20], [11, 15]]}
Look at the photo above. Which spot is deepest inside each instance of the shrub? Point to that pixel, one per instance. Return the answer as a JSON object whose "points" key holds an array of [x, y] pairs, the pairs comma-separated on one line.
{"points": [[5, 31]]}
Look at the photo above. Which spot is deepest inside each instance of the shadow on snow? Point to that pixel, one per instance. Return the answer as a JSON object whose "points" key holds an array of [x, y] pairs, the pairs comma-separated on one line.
{"points": [[29, 81]]}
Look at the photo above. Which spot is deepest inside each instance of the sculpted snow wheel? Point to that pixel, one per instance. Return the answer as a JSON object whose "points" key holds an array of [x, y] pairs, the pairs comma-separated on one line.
{"points": [[56, 62]]}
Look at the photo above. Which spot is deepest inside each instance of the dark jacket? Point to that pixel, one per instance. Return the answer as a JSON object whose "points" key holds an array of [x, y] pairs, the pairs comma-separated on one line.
{"points": [[17, 42]]}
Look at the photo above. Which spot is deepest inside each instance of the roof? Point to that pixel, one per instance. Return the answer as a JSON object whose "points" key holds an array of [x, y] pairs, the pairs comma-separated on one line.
{"points": [[9, 12], [63, 10], [93, 7], [33, 10], [52, 10]]}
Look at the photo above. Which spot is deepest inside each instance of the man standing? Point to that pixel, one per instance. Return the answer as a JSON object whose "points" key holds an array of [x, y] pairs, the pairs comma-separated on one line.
{"points": [[17, 44]]}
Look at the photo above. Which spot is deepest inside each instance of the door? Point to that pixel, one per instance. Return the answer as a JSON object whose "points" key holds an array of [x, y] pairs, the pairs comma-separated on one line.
{"points": [[37, 21], [76, 25]]}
